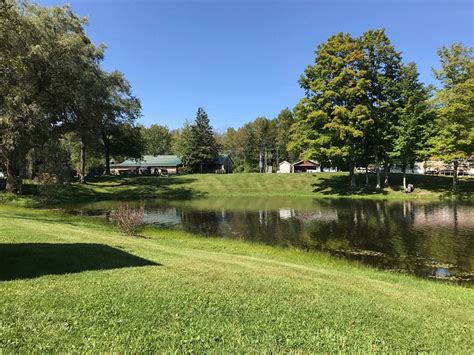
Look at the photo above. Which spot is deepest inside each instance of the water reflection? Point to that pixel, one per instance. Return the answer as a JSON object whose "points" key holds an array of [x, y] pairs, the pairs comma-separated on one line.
{"points": [[434, 240]]}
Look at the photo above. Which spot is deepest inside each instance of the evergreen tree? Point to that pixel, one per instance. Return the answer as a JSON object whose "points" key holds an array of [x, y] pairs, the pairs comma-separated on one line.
{"points": [[203, 146]]}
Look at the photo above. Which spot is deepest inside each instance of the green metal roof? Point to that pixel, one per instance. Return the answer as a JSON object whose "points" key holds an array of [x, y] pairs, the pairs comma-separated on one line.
{"points": [[151, 160]]}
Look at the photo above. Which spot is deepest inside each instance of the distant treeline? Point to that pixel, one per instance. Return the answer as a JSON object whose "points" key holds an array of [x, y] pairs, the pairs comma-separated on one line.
{"points": [[61, 112]]}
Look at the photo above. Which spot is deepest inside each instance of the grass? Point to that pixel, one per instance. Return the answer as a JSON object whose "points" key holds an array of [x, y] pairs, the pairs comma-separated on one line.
{"points": [[334, 185], [75, 284]]}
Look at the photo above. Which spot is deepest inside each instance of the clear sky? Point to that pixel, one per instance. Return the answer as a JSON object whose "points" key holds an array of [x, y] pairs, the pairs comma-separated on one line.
{"points": [[240, 59]]}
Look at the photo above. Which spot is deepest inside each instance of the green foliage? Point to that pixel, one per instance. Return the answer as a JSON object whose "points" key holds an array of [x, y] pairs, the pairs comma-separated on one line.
{"points": [[414, 119], [202, 144], [157, 140], [454, 126], [181, 143]]}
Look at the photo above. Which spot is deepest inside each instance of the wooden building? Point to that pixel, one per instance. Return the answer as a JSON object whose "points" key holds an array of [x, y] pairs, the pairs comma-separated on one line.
{"points": [[306, 166]]}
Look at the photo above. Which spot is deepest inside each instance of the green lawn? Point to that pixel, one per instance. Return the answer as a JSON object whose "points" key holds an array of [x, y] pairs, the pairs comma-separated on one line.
{"points": [[74, 284], [332, 185]]}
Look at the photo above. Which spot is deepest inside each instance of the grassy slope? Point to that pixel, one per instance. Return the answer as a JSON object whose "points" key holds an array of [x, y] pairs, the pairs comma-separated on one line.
{"points": [[189, 186], [208, 295]]}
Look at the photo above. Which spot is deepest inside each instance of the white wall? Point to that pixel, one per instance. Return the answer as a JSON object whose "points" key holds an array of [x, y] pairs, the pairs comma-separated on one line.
{"points": [[285, 167]]}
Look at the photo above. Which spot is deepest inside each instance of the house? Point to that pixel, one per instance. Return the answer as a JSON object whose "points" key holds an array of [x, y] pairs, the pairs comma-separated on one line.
{"points": [[222, 164], [285, 167], [306, 166], [168, 164]]}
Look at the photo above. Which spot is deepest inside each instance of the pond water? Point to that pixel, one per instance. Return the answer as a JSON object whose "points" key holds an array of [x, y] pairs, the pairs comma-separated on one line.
{"points": [[428, 239]]}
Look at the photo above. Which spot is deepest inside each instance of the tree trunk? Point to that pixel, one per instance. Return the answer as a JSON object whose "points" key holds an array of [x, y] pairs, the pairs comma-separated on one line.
{"points": [[106, 142], [13, 180], [367, 175], [377, 170], [82, 174], [386, 169], [404, 168], [352, 175], [455, 176]]}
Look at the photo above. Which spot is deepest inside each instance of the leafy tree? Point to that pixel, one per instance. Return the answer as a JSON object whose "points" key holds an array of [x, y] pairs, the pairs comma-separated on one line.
{"points": [[454, 126], [157, 140], [283, 123], [382, 66], [182, 143], [203, 146], [126, 141], [44, 51], [414, 117], [119, 111], [333, 117]]}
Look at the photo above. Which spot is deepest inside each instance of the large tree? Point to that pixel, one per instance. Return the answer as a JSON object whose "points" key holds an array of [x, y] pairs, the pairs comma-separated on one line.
{"points": [[333, 117], [382, 66], [44, 51], [117, 117], [203, 146], [454, 126], [414, 118]]}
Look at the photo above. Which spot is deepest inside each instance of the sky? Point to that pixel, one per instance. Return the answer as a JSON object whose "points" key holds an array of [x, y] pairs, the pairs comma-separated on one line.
{"points": [[242, 59]]}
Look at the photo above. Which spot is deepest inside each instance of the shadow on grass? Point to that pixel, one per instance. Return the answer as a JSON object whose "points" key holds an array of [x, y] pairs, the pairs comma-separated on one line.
{"points": [[30, 260], [115, 188], [442, 185]]}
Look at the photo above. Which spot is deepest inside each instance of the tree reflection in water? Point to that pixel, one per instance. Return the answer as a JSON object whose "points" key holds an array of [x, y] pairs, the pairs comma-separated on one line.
{"points": [[428, 239]]}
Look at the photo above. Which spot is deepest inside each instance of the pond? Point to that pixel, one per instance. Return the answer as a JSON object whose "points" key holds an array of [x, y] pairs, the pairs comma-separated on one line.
{"points": [[427, 239]]}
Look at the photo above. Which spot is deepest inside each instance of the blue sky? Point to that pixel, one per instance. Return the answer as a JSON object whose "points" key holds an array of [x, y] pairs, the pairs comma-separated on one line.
{"points": [[242, 59]]}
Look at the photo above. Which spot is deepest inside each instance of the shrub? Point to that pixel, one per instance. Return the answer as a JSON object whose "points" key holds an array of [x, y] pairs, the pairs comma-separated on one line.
{"points": [[128, 218]]}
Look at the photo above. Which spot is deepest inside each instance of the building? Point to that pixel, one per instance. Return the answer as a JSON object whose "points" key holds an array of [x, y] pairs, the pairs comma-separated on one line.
{"points": [[307, 166], [222, 164], [168, 164], [164, 164], [285, 167]]}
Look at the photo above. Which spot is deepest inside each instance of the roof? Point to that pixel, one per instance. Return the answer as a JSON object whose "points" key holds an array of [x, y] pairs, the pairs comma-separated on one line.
{"points": [[220, 159], [306, 163], [285, 162], [151, 160]]}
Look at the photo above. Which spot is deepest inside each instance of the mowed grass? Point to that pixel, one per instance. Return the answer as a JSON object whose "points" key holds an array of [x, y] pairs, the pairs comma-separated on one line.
{"points": [[332, 185], [74, 284]]}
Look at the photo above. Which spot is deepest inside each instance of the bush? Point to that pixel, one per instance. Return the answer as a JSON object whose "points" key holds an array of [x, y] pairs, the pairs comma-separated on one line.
{"points": [[128, 218]]}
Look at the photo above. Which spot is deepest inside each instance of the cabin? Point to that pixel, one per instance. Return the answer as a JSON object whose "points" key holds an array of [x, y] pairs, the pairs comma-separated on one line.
{"points": [[307, 166], [285, 167], [149, 164]]}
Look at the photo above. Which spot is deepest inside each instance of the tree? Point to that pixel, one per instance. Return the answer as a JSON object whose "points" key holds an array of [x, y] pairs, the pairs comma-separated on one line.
{"points": [[283, 123], [454, 125], [43, 53], [333, 117], [382, 66], [182, 143], [414, 117], [157, 140], [203, 146], [119, 111]]}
